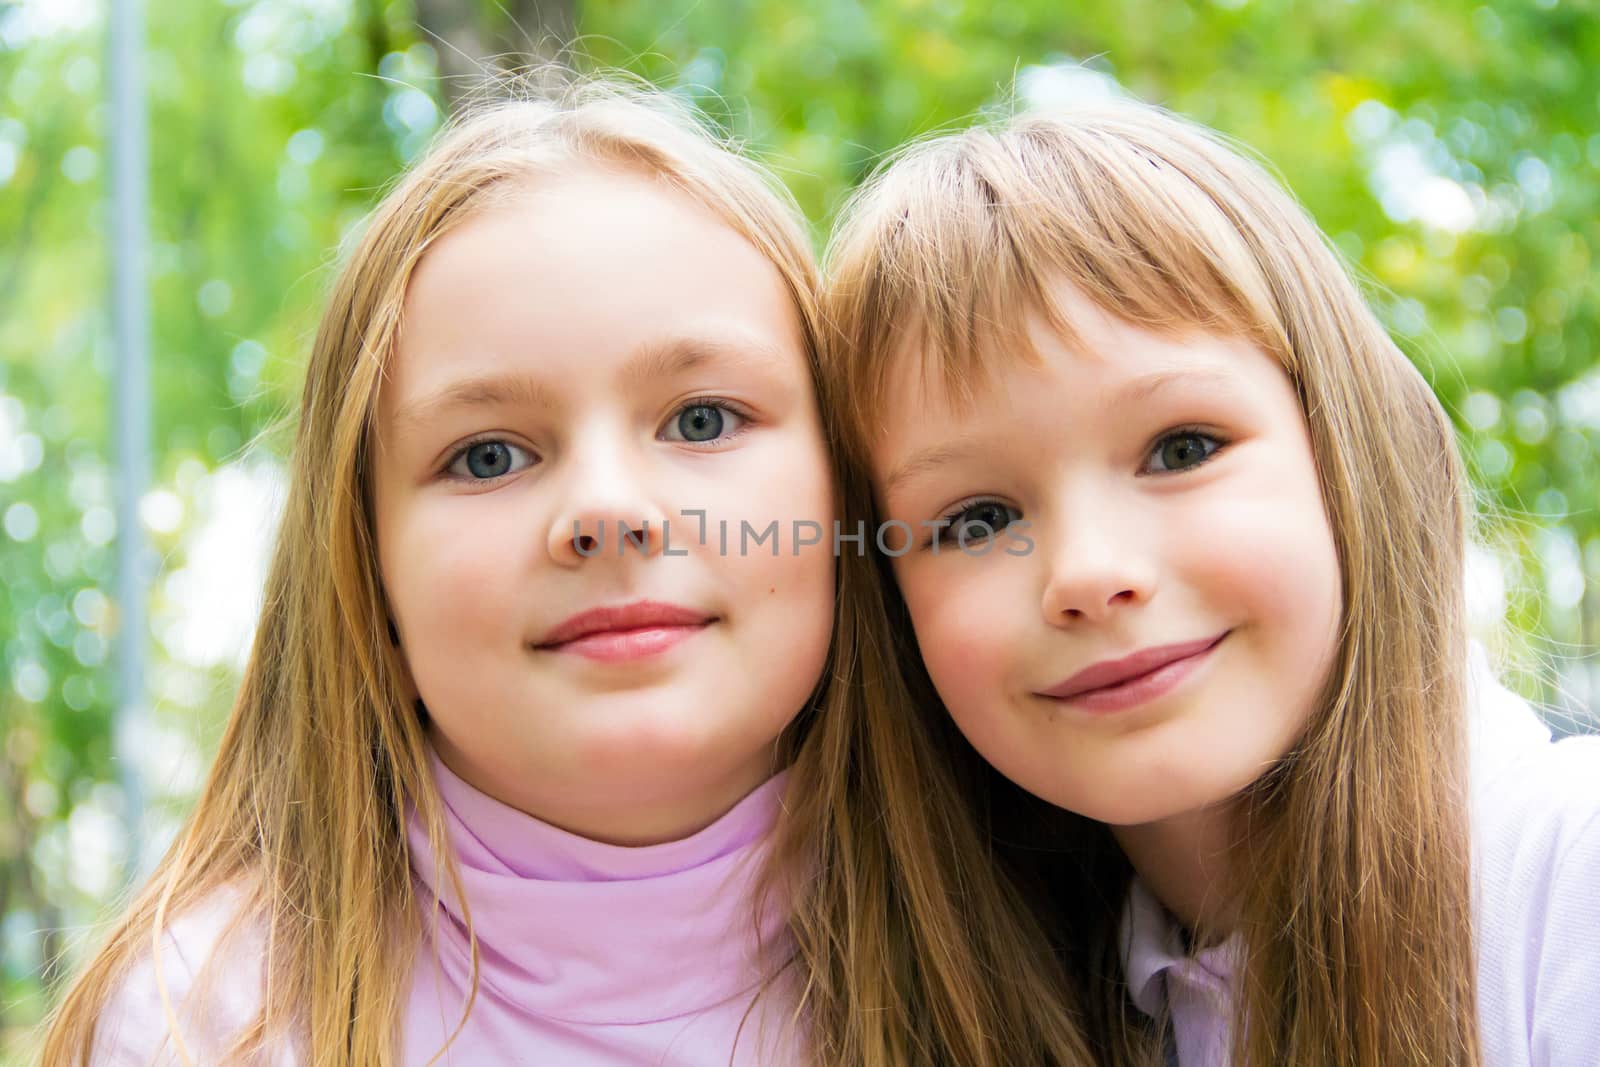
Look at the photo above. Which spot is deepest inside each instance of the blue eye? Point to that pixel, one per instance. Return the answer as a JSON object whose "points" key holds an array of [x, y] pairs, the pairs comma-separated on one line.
{"points": [[487, 460], [976, 522], [702, 422], [1183, 450]]}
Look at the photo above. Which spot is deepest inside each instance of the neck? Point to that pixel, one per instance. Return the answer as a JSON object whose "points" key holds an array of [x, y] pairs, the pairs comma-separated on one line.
{"points": [[632, 818], [1184, 860]]}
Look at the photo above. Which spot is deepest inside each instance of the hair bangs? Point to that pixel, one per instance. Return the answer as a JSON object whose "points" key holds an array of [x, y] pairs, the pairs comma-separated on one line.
{"points": [[944, 252]]}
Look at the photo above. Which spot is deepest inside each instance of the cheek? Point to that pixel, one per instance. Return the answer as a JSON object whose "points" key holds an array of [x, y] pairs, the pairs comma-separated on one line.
{"points": [[1261, 531], [787, 482], [971, 617], [1267, 562], [448, 563], [788, 594], [1273, 558]]}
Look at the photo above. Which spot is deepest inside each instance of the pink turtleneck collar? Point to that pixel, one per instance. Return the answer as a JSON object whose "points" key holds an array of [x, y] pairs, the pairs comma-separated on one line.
{"points": [[591, 953]]}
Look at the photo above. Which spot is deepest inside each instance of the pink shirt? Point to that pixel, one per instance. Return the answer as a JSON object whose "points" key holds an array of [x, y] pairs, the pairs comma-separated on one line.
{"points": [[590, 955], [1536, 861]]}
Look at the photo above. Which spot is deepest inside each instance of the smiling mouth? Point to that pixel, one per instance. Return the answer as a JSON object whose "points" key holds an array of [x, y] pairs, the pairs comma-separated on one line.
{"points": [[1115, 685], [621, 646], [625, 632]]}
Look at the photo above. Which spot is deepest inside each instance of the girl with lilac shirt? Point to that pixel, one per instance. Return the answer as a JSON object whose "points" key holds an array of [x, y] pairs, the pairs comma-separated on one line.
{"points": [[1186, 565], [529, 763]]}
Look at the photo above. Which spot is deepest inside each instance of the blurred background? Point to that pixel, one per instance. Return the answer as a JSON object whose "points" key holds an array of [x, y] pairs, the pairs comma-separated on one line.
{"points": [[1451, 151]]}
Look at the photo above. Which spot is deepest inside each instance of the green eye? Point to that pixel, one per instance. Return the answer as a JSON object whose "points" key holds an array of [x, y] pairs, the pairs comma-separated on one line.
{"points": [[1180, 451]]}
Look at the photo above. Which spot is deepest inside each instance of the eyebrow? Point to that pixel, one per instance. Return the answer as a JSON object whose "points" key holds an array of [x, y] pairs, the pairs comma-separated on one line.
{"points": [[671, 358], [925, 460], [488, 390], [1148, 386], [1137, 390], [653, 362]]}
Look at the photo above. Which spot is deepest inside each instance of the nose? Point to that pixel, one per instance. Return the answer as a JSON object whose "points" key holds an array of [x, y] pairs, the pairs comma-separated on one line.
{"points": [[1094, 572], [606, 510]]}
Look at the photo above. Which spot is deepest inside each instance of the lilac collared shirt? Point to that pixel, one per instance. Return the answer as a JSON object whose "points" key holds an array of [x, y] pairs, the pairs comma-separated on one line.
{"points": [[1536, 862]]}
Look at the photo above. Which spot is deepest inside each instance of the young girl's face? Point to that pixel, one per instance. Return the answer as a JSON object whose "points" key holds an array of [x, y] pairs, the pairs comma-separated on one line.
{"points": [[592, 354], [1158, 633]]}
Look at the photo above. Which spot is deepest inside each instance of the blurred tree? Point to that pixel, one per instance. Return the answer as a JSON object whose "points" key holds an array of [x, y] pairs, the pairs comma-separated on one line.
{"points": [[1448, 150], [268, 139], [477, 40]]}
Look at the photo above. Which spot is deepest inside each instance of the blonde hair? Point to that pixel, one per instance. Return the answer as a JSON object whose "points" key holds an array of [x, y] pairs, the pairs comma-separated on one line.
{"points": [[305, 805], [1352, 873]]}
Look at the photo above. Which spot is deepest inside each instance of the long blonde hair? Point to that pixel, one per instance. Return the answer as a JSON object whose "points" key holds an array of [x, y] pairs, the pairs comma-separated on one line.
{"points": [[305, 805], [1352, 873]]}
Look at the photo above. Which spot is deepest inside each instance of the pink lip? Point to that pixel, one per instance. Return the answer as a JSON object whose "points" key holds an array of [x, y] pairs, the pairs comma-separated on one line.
{"points": [[1115, 684], [625, 631]]}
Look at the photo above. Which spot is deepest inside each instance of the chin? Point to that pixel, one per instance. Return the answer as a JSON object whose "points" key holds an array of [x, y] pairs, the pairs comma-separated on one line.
{"points": [[663, 736], [1124, 803], [1135, 811]]}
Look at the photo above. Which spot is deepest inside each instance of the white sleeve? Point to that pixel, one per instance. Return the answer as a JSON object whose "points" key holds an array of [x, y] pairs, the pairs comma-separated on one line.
{"points": [[1536, 858], [135, 1029], [209, 1001], [1564, 1027]]}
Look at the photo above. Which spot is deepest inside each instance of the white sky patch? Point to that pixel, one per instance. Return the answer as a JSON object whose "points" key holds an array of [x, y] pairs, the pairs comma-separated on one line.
{"points": [[1410, 190], [96, 843], [212, 600], [34, 20], [1065, 84], [1579, 401], [1415, 175], [294, 25], [161, 510], [1444, 205], [1563, 567], [20, 452]]}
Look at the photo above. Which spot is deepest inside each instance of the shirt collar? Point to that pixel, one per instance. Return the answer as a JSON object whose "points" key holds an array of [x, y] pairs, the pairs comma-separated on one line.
{"points": [[1152, 945], [573, 929]]}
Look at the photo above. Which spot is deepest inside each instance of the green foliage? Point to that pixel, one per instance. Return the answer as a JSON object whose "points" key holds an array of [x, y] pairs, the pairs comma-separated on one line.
{"points": [[272, 125], [1448, 150]]}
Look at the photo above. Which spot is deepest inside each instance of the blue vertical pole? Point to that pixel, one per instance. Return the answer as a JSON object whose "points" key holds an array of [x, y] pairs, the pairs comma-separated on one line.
{"points": [[130, 317]]}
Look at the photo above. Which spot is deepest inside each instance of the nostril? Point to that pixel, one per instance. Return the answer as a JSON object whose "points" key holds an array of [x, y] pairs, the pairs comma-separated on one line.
{"points": [[586, 544]]}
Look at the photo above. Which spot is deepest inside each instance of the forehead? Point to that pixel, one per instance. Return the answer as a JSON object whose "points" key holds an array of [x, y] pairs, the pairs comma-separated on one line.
{"points": [[1082, 363], [547, 236], [920, 380], [588, 266]]}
